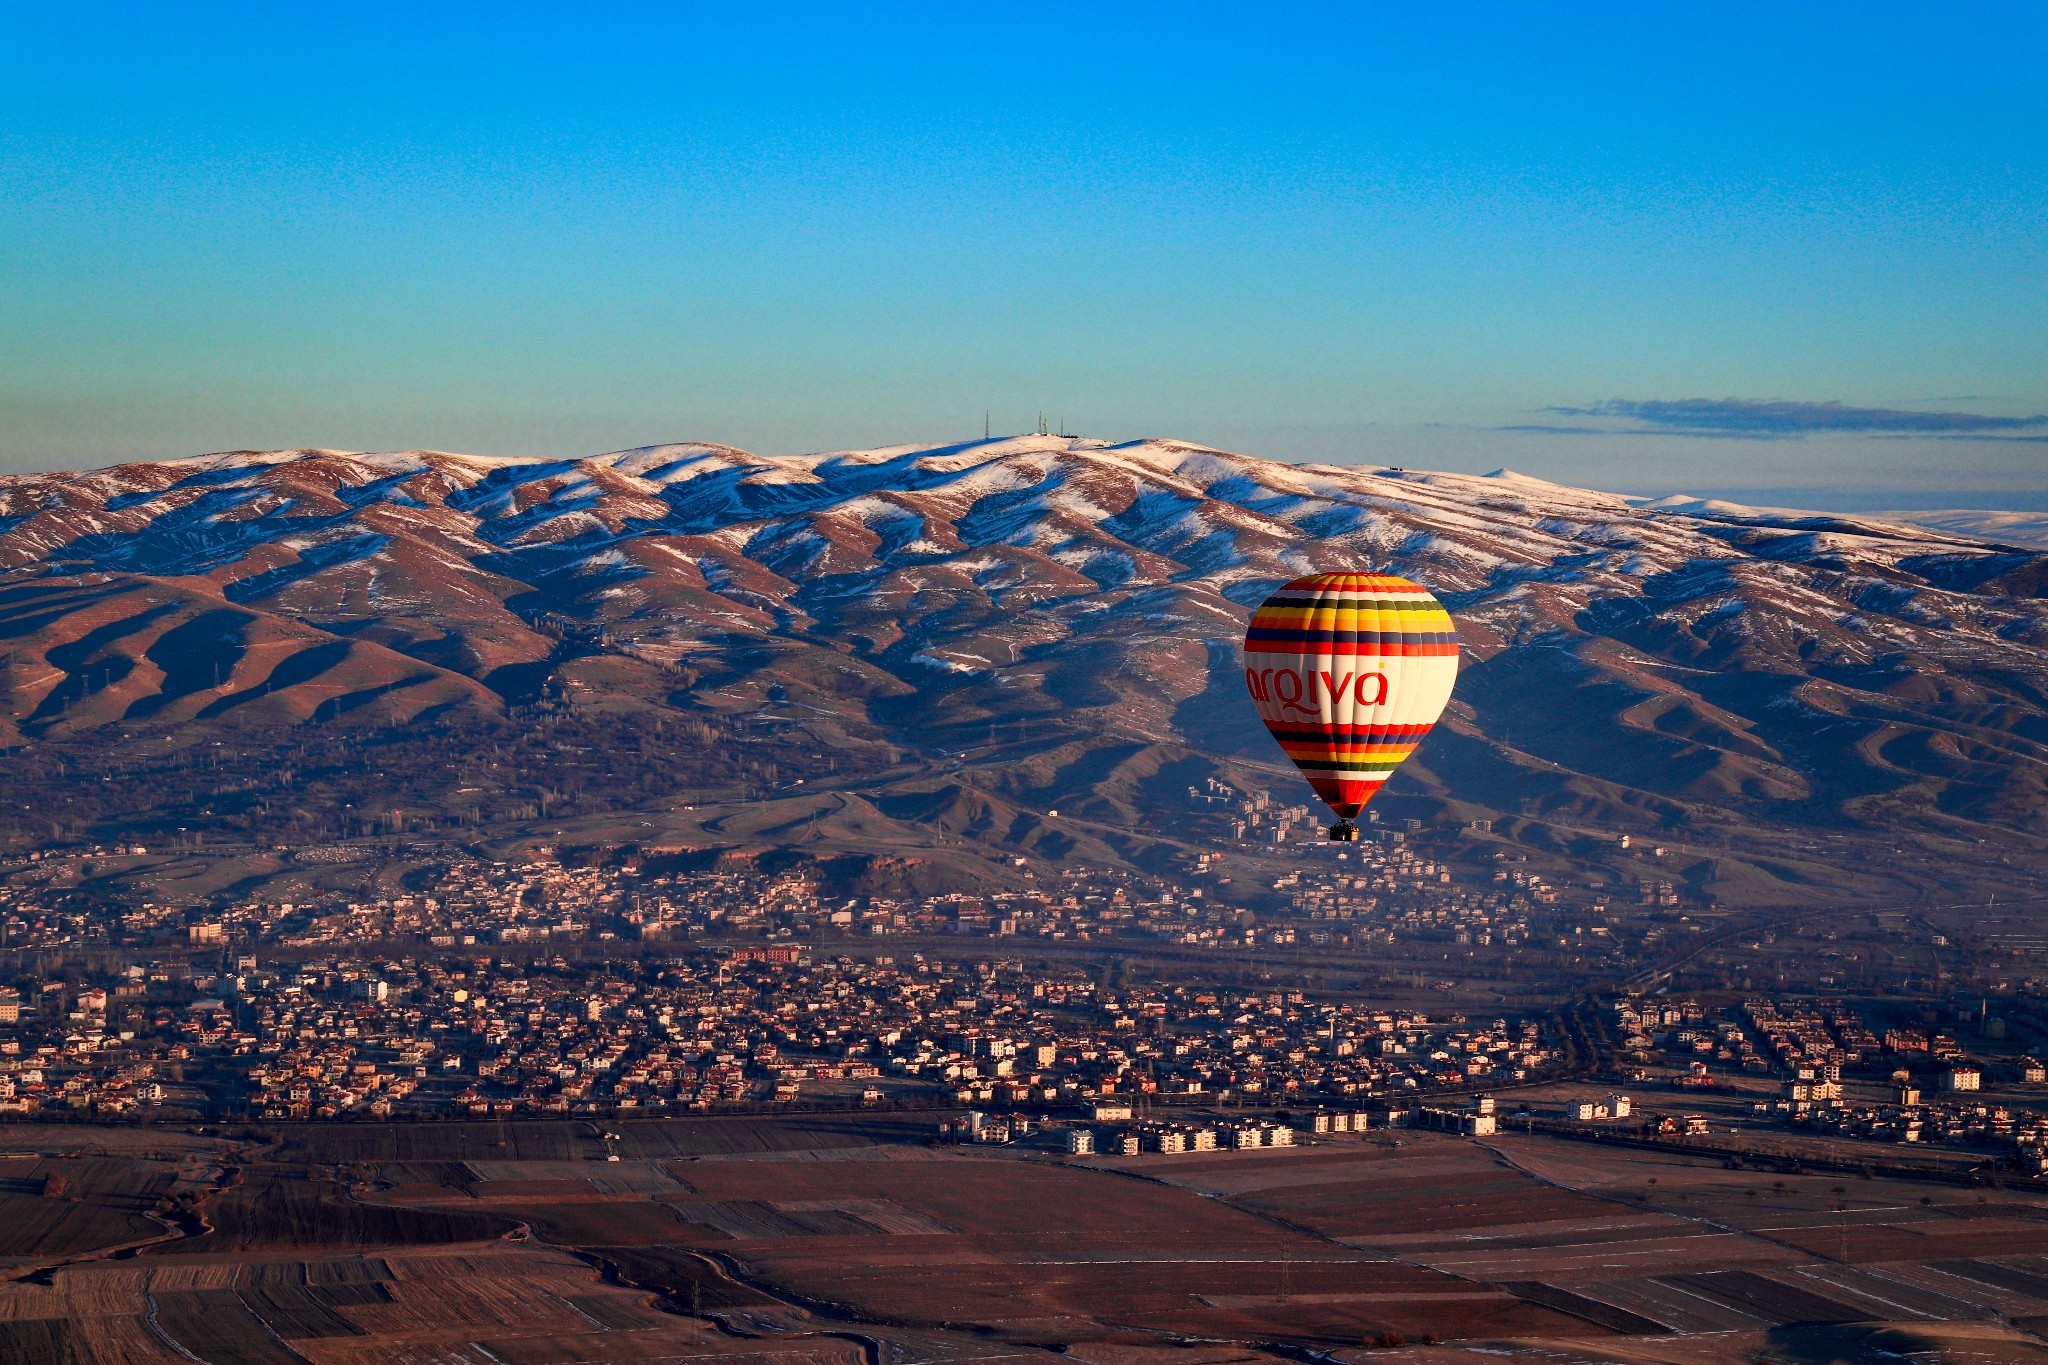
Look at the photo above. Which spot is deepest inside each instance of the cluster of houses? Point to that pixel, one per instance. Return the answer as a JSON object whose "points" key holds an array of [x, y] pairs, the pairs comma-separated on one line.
{"points": [[56, 1051], [1127, 1135], [1908, 1119], [1827, 1058], [1114, 1128], [1396, 894], [332, 1033], [1385, 895], [469, 901], [1253, 816]]}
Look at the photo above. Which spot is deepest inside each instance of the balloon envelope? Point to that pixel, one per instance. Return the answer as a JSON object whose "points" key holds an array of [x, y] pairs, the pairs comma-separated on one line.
{"points": [[1349, 671]]}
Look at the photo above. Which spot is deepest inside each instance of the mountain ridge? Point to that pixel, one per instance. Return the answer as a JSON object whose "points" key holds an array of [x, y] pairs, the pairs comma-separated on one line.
{"points": [[1627, 663]]}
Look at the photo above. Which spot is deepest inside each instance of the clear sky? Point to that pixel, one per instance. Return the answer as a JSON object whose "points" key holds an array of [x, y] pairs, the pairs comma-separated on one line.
{"points": [[1640, 246]]}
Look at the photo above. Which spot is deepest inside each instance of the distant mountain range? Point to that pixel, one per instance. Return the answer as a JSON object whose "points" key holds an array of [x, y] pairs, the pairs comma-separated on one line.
{"points": [[1038, 621], [2028, 530], [2012, 528]]}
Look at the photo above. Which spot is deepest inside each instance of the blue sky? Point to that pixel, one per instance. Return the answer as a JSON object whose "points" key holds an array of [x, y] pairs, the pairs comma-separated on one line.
{"points": [[1642, 247]]}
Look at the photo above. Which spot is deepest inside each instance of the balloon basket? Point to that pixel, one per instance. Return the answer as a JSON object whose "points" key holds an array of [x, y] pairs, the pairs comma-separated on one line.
{"points": [[1343, 832]]}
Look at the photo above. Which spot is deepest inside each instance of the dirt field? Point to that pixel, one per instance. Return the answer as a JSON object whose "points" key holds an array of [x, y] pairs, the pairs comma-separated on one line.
{"points": [[541, 1140], [290, 1206], [64, 1205], [854, 1239]]}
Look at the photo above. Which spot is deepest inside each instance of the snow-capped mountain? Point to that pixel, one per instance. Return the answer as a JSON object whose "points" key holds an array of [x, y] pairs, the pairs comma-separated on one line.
{"points": [[1671, 662], [2029, 529]]}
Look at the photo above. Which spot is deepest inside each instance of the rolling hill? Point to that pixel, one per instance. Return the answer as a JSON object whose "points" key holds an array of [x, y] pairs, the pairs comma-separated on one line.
{"points": [[946, 643]]}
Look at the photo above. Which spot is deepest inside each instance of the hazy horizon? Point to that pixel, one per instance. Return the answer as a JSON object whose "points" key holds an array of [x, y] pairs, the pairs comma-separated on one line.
{"points": [[1624, 475]]}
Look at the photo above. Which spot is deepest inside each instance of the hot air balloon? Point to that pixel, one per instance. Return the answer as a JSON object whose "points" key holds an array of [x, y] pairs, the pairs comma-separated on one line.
{"points": [[1349, 672]]}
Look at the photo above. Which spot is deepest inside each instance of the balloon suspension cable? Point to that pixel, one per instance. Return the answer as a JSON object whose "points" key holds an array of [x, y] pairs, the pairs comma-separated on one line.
{"points": [[1344, 832]]}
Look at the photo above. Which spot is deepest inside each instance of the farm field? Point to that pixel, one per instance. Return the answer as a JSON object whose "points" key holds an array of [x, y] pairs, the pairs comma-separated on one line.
{"points": [[857, 1238], [62, 1205]]}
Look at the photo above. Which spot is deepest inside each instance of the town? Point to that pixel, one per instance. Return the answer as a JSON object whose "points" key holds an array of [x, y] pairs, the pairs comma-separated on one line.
{"points": [[1094, 1005], [414, 1035]]}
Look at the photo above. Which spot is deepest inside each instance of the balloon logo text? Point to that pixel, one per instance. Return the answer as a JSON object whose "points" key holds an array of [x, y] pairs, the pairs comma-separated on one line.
{"points": [[1284, 685]]}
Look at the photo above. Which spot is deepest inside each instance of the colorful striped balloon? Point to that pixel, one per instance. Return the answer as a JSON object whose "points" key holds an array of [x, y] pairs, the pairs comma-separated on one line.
{"points": [[1349, 672]]}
